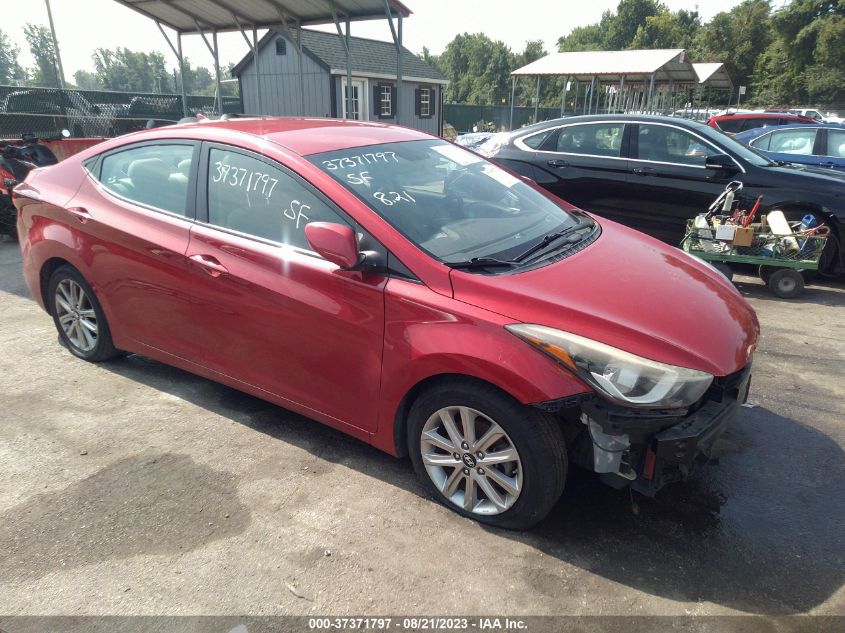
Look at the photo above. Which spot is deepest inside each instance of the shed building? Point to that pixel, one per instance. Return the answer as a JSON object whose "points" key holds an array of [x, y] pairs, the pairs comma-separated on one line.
{"points": [[374, 81]]}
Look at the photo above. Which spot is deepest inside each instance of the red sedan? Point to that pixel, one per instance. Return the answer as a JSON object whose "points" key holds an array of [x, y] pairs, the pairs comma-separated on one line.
{"points": [[732, 124], [400, 288]]}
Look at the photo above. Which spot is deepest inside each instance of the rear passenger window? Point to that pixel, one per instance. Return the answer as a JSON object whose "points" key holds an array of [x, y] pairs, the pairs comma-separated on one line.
{"points": [[250, 196], [836, 143], [603, 139], [152, 175]]}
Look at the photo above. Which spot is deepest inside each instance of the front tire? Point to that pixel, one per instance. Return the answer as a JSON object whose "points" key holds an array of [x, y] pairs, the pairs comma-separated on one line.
{"points": [[486, 456], [78, 316]]}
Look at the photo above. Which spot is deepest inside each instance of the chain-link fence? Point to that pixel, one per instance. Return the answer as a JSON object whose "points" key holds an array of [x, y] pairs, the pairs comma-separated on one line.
{"points": [[45, 112], [466, 118]]}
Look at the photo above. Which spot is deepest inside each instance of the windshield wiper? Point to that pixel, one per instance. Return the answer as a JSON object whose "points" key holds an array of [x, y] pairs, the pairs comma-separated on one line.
{"points": [[548, 239], [482, 262]]}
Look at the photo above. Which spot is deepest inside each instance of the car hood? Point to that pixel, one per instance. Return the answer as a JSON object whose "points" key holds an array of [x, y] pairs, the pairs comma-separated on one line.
{"points": [[632, 292], [801, 171]]}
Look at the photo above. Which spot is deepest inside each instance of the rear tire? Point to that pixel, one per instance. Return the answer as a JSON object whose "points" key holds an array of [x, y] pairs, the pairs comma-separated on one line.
{"points": [[78, 316], [786, 283], [514, 481]]}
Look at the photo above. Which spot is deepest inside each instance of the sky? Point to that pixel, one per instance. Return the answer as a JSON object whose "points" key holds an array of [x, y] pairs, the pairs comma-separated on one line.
{"points": [[83, 25]]}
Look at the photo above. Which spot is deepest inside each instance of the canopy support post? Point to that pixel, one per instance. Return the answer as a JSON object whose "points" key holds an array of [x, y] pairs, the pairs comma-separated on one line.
{"points": [[563, 96], [621, 94], [537, 100], [217, 73], [592, 92], [258, 102], [513, 96], [396, 32], [575, 105], [347, 95], [177, 50], [213, 50], [299, 68], [650, 92]]}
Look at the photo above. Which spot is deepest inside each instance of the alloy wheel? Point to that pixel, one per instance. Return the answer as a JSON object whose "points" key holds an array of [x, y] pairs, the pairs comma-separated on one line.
{"points": [[471, 460], [76, 315]]}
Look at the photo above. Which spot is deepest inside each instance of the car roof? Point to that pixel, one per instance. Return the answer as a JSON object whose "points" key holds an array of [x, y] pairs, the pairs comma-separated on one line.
{"points": [[759, 131], [305, 135], [627, 118], [759, 115]]}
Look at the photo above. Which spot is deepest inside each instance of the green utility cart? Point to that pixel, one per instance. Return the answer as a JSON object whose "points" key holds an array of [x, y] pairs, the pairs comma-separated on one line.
{"points": [[781, 259]]}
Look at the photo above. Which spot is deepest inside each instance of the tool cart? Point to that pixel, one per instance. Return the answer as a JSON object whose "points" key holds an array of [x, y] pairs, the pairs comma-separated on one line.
{"points": [[781, 250]]}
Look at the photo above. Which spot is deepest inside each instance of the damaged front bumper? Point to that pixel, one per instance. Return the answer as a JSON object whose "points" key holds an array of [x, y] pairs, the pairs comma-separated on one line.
{"points": [[648, 449]]}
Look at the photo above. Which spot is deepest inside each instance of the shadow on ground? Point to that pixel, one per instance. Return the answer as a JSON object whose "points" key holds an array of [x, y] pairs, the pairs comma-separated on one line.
{"points": [[145, 504], [760, 531]]}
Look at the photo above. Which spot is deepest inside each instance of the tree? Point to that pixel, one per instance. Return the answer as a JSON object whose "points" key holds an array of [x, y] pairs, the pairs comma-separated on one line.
{"points": [[478, 69], [44, 52], [583, 38], [130, 71], [666, 29], [737, 38], [629, 17], [10, 70], [430, 59], [85, 80], [803, 61]]}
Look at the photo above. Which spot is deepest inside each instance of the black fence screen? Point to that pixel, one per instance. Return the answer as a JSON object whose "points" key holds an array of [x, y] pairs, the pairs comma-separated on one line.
{"points": [[45, 112]]}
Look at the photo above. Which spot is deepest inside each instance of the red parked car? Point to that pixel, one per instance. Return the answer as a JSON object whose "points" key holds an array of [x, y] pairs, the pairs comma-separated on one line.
{"points": [[401, 289], [732, 124]]}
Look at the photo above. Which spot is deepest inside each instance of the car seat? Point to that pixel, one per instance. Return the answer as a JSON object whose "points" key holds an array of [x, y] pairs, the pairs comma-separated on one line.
{"points": [[152, 185]]}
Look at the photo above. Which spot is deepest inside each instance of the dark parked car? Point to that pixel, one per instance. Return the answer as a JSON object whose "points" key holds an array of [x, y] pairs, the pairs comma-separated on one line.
{"points": [[820, 145], [655, 173], [732, 124]]}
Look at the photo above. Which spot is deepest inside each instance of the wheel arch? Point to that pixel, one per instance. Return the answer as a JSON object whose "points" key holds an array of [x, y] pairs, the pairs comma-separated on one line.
{"points": [[400, 418], [47, 269]]}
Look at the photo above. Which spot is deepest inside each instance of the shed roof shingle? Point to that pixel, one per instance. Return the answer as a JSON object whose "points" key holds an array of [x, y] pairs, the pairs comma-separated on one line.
{"points": [[367, 56]]}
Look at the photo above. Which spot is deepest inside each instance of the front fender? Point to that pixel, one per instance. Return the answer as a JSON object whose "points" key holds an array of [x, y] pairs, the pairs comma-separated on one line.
{"points": [[431, 335]]}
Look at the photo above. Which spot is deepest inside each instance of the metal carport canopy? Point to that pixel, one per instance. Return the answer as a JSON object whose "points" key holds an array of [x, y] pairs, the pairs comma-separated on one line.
{"points": [[664, 64], [714, 75], [216, 16], [186, 16]]}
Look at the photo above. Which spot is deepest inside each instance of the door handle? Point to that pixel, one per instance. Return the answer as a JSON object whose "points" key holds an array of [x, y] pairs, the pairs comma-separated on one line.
{"points": [[644, 171], [80, 213], [210, 265], [557, 162]]}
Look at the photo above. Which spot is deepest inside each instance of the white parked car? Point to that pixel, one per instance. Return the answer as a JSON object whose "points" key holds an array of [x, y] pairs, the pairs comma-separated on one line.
{"points": [[830, 117]]}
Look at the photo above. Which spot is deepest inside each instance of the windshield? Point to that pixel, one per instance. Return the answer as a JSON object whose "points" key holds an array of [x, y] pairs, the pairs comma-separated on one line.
{"points": [[450, 202]]}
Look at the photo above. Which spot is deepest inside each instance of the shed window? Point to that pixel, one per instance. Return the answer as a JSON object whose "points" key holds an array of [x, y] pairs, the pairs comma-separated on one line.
{"points": [[281, 46], [425, 102], [385, 100]]}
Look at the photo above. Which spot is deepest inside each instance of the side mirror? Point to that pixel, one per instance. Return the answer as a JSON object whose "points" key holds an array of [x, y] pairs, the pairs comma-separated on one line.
{"points": [[720, 161], [334, 242]]}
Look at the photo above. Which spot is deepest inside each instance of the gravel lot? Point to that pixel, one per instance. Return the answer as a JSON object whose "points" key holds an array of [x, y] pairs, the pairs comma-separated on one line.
{"points": [[133, 488]]}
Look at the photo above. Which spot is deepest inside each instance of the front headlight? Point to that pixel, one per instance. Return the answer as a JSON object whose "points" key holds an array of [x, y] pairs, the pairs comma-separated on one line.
{"points": [[618, 375]]}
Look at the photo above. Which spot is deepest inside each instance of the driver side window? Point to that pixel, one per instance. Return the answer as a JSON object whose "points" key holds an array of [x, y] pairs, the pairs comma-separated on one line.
{"points": [[664, 144], [250, 196]]}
